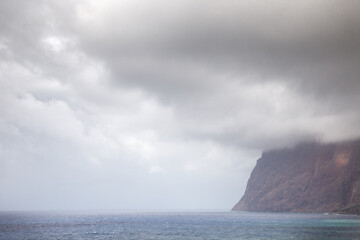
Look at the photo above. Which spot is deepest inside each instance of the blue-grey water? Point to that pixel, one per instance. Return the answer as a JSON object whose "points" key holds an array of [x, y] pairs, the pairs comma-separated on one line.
{"points": [[197, 225]]}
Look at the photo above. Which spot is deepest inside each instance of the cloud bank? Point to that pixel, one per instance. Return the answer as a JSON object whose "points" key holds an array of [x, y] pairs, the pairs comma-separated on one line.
{"points": [[166, 104]]}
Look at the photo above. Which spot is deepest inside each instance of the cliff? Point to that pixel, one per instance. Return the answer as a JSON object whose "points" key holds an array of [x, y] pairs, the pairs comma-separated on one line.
{"points": [[310, 177]]}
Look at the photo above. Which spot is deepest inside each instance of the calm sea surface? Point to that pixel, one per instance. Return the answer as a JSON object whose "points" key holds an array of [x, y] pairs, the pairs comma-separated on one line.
{"points": [[198, 225]]}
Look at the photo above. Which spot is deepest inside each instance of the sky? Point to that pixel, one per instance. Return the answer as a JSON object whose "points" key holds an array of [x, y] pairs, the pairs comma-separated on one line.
{"points": [[166, 104]]}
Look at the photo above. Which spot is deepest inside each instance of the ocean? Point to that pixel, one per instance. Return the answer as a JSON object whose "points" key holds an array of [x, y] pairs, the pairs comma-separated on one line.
{"points": [[176, 225]]}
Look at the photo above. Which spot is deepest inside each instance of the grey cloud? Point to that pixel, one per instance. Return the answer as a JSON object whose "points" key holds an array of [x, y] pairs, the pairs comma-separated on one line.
{"points": [[310, 47], [183, 53]]}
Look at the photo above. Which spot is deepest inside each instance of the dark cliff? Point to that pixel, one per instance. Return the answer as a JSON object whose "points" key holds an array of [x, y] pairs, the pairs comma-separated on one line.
{"points": [[307, 178]]}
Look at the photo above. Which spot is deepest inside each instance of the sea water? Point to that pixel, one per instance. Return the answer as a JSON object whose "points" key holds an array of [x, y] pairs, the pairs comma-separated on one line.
{"points": [[176, 225]]}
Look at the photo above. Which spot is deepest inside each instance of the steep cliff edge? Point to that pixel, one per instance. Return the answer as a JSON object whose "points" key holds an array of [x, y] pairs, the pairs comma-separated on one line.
{"points": [[307, 178]]}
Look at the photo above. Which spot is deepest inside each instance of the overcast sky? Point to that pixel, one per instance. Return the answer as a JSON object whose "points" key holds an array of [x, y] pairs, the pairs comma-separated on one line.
{"points": [[166, 104]]}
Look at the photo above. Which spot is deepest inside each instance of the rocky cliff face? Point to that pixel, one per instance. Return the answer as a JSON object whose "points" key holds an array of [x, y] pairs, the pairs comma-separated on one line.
{"points": [[307, 178]]}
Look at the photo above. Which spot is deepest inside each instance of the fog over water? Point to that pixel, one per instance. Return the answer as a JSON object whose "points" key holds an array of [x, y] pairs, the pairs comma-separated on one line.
{"points": [[166, 104]]}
